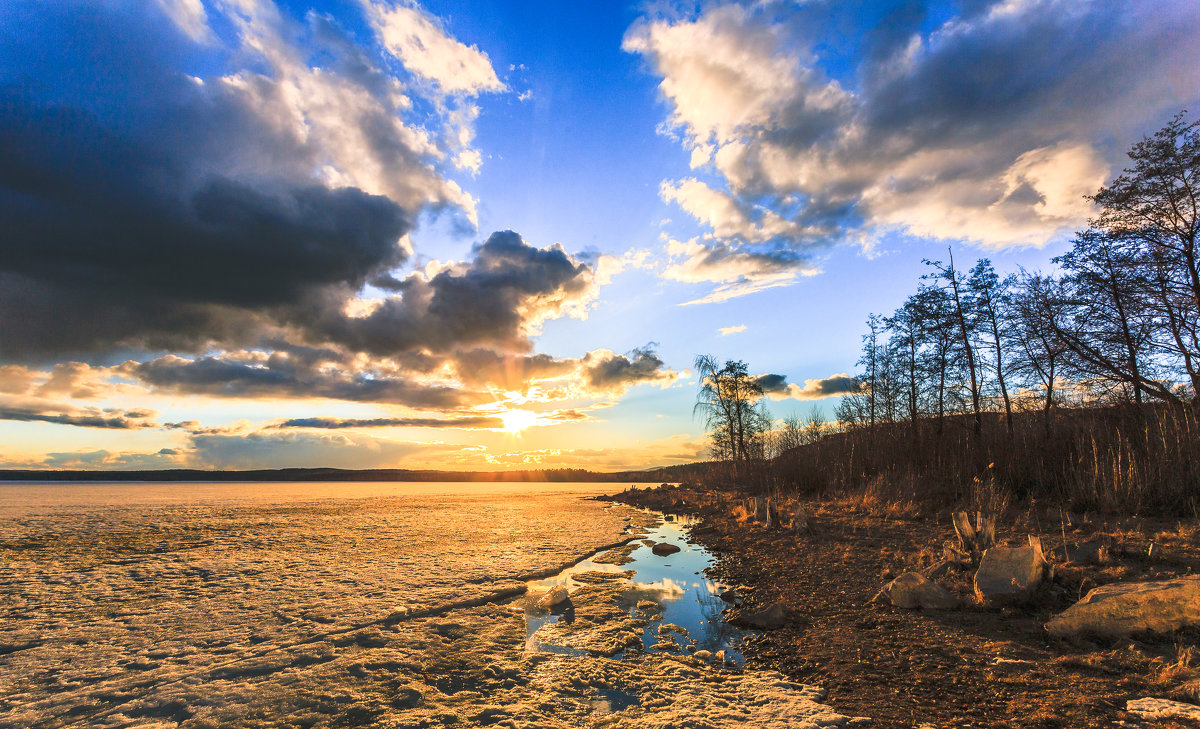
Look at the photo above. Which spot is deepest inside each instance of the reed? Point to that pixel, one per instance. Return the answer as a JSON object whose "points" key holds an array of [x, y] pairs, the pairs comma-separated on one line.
{"points": [[1124, 459]]}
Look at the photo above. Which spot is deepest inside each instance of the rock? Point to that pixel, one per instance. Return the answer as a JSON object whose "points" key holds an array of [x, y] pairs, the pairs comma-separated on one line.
{"points": [[731, 596], [703, 654], [557, 596], [1121, 609], [772, 617], [1162, 709], [662, 549], [934, 571], [913, 590], [1009, 575], [1084, 553]]}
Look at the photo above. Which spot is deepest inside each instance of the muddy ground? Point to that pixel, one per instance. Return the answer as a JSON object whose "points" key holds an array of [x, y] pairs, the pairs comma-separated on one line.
{"points": [[969, 667]]}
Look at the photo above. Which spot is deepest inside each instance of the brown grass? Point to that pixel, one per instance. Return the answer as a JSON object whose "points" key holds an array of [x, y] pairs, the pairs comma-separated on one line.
{"points": [[1115, 459]]}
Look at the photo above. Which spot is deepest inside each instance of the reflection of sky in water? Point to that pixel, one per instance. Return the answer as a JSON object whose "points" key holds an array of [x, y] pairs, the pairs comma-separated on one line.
{"points": [[676, 581]]}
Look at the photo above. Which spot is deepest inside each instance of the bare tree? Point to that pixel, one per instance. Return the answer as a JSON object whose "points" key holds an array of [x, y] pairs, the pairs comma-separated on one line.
{"points": [[730, 401], [1039, 353], [965, 326], [989, 299], [1154, 207]]}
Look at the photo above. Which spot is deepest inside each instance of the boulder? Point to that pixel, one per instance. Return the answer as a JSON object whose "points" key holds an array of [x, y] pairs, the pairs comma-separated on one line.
{"points": [[1083, 553], [1009, 575], [1160, 709], [731, 596], [913, 590], [771, 617], [557, 596], [662, 549], [1132, 607]]}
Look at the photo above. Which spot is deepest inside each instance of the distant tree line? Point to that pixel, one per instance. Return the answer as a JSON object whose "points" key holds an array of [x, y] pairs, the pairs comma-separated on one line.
{"points": [[972, 375]]}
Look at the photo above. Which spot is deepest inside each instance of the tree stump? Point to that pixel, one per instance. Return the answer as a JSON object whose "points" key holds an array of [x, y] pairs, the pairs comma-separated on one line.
{"points": [[976, 538]]}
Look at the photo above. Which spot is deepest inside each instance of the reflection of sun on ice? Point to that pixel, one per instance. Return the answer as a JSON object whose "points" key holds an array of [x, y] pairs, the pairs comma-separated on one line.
{"points": [[517, 420]]}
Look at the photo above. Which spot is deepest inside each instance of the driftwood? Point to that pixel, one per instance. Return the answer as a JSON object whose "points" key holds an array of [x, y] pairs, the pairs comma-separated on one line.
{"points": [[977, 538]]}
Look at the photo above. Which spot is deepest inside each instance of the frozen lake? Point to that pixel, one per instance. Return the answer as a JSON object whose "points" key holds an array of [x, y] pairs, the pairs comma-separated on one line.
{"points": [[108, 587], [208, 605]]}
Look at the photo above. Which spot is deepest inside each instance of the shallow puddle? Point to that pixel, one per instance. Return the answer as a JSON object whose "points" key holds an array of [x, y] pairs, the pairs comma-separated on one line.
{"points": [[676, 582]]}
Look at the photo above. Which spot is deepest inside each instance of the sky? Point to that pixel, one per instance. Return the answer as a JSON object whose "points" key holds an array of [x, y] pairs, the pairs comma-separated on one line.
{"points": [[495, 235]]}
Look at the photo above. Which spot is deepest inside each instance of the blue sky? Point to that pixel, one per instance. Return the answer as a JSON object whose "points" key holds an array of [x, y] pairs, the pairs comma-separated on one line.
{"points": [[495, 234]]}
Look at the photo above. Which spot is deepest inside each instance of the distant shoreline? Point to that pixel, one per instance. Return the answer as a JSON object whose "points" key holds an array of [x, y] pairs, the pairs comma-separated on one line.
{"points": [[669, 473]]}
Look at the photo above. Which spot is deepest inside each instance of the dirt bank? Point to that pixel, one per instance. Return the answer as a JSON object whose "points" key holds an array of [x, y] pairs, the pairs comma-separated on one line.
{"points": [[970, 667]]}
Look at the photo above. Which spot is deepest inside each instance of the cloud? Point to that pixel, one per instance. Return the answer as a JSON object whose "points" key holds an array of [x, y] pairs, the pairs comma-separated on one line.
{"points": [[190, 17], [508, 371], [109, 461], [420, 43], [739, 270], [302, 449], [605, 371], [500, 299], [40, 411], [168, 210], [467, 422], [78, 380], [16, 380], [776, 387], [726, 331], [258, 375], [988, 127], [727, 216]]}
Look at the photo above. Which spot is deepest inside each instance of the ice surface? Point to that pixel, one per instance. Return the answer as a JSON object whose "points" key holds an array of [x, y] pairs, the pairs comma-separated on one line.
{"points": [[109, 592], [261, 605]]}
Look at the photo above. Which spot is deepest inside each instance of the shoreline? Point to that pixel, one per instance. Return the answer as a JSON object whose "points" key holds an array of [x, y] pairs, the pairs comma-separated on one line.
{"points": [[965, 667]]}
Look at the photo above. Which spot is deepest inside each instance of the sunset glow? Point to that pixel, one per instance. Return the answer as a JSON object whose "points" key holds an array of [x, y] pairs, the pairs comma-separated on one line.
{"points": [[516, 421], [386, 234]]}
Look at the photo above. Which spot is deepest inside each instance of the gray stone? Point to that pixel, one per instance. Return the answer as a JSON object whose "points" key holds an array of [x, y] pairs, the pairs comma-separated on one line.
{"points": [[1132, 607], [731, 596], [1009, 575], [771, 617], [1083, 553], [913, 590], [1149, 708]]}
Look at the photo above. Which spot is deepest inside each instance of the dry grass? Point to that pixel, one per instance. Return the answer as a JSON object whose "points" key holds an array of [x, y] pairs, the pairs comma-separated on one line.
{"points": [[1114, 459]]}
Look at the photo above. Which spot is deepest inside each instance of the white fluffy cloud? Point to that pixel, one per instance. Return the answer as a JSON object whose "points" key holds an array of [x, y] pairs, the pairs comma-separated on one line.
{"points": [[737, 270], [423, 46], [989, 128]]}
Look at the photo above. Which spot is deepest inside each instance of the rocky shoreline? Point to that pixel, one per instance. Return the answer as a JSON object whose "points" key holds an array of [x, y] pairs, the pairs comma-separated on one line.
{"points": [[973, 662]]}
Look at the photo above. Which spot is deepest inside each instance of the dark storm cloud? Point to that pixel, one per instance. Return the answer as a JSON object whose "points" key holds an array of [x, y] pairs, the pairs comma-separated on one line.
{"points": [[467, 422], [778, 388], [147, 208], [608, 371], [505, 291], [772, 383], [279, 377]]}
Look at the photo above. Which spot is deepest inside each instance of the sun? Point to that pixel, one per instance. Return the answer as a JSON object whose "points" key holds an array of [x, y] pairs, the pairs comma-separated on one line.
{"points": [[517, 420]]}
